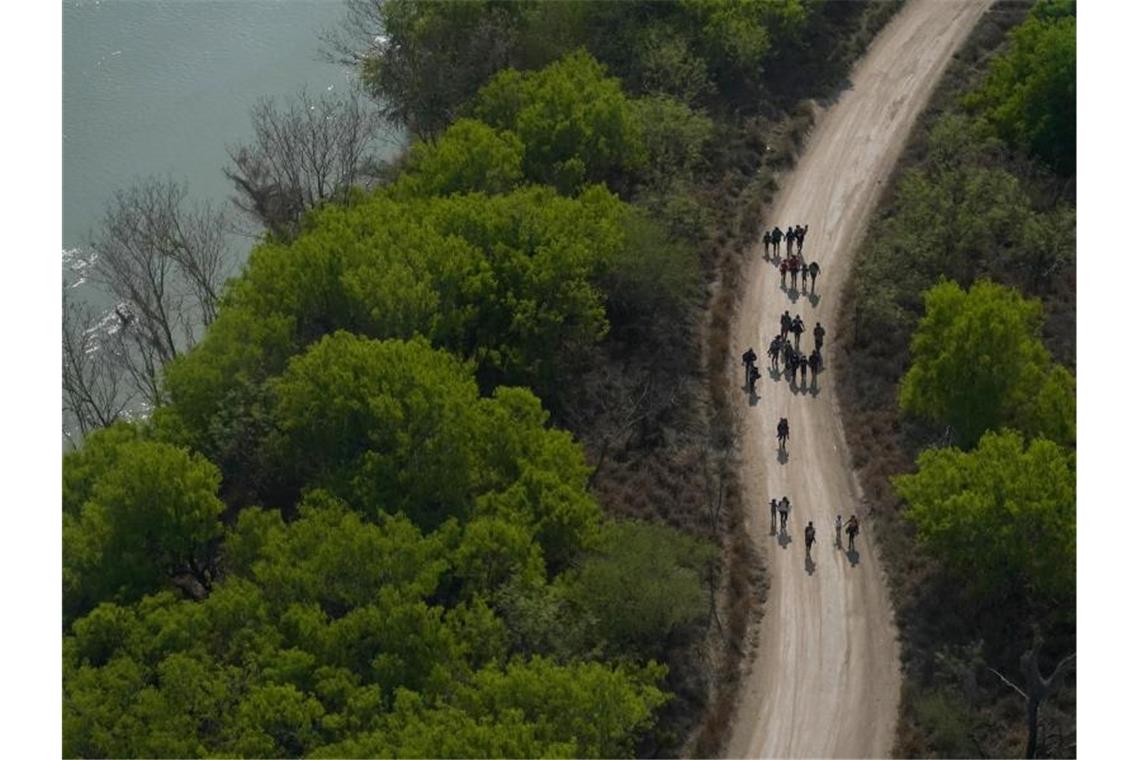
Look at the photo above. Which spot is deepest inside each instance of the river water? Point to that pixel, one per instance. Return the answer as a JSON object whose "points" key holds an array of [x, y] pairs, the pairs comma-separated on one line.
{"points": [[163, 86]]}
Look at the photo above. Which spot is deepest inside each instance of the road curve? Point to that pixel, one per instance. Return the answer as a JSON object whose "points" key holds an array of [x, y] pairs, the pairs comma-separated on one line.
{"points": [[824, 680]]}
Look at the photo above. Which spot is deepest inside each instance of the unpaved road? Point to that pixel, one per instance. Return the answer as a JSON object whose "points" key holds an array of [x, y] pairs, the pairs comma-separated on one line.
{"points": [[824, 681]]}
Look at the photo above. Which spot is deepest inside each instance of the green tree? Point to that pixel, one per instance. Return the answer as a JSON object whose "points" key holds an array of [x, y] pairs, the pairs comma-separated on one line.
{"points": [[1002, 517], [151, 515], [1030, 91], [643, 582], [977, 359], [469, 157], [576, 124]]}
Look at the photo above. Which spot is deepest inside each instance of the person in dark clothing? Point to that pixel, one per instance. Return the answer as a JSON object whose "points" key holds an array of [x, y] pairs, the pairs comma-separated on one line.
{"points": [[749, 359], [790, 237], [818, 332], [753, 376], [785, 324], [794, 266], [801, 233], [803, 370], [852, 531], [797, 329], [783, 273], [774, 518], [813, 270], [767, 242], [774, 352], [815, 361], [809, 536]]}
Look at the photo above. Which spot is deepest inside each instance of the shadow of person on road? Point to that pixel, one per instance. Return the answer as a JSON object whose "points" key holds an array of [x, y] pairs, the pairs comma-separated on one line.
{"points": [[784, 538], [853, 556], [793, 295], [774, 373], [753, 397], [813, 299], [781, 455], [809, 566]]}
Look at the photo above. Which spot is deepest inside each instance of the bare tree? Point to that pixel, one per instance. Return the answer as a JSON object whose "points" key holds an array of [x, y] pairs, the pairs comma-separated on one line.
{"points": [[310, 151], [1037, 687], [164, 261], [94, 395]]}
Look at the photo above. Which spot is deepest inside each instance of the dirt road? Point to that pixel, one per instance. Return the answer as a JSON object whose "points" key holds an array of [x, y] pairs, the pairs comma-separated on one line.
{"points": [[825, 678]]}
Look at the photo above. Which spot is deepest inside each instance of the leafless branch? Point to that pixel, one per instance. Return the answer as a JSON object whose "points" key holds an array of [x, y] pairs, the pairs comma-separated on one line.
{"points": [[307, 152]]}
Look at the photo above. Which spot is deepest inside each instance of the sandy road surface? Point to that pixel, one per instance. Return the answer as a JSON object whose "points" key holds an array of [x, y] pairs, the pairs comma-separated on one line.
{"points": [[825, 678]]}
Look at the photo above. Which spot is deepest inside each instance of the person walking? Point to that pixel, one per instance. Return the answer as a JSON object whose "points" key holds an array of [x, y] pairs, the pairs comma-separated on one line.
{"points": [[785, 324], [777, 236], [790, 237], [774, 509], [785, 508], [852, 531], [794, 266], [838, 526], [801, 233], [749, 360], [783, 273], [797, 328], [767, 242], [818, 332], [813, 270], [809, 537]]}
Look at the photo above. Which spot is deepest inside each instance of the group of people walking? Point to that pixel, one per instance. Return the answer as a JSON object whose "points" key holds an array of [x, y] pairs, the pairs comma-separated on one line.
{"points": [[783, 508], [774, 236], [784, 353], [795, 264]]}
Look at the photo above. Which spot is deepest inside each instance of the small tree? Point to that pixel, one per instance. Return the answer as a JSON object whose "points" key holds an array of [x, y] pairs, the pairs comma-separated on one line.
{"points": [[1002, 517], [977, 359]]}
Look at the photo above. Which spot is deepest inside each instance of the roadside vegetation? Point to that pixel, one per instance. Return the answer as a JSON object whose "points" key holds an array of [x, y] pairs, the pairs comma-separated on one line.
{"points": [[448, 465], [957, 371]]}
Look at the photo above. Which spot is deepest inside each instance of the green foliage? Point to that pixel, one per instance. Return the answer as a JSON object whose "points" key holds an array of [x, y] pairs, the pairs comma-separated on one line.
{"points": [[399, 427], [643, 583], [509, 281], [576, 124], [675, 135], [736, 36], [665, 63], [150, 513], [469, 157], [530, 709], [323, 640], [1002, 517], [436, 56], [977, 359], [946, 719], [1030, 91]]}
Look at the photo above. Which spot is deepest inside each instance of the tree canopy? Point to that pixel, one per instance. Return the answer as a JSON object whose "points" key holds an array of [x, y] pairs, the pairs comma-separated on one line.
{"points": [[1002, 516], [977, 361], [1030, 91]]}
